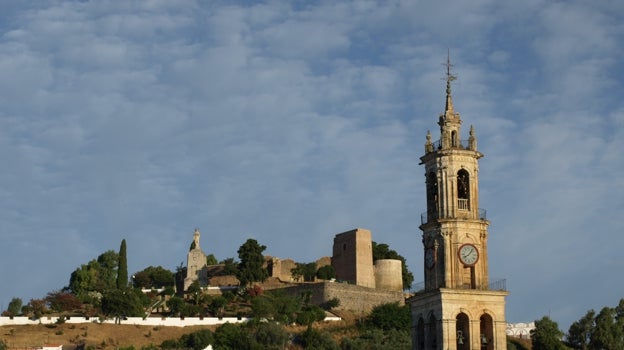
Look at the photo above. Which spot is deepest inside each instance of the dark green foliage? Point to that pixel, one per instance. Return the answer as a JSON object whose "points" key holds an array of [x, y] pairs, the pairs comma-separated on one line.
{"points": [[390, 316], [608, 330], [197, 340], [176, 306], [122, 302], [153, 277], [604, 330], [3, 345], [376, 339], [250, 268], [331, 303], [309, 314], [122, 269], [305, 271], [383, 251], [15, 307], [285, 307], [513, 344], [230, 267], [546, 335], [317, 340], [270, 336], [262, 307], [231, 337], [97, 275], [579, 333], [211, 259], [217, 305], [326, 272]]}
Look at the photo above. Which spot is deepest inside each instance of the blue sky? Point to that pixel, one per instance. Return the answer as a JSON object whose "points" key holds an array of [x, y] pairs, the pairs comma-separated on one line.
{"points": [[291, 123]]}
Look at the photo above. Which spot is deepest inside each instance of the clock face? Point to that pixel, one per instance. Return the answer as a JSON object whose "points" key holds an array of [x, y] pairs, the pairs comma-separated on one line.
{"points": [[429, 258], [468, 254]]}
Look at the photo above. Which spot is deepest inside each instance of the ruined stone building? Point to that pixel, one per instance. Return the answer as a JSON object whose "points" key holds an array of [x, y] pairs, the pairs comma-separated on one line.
{"points": [[460, 308]]}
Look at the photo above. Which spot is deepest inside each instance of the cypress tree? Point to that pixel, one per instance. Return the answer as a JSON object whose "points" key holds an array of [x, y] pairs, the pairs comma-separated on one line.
{"points": [[122, 270]]}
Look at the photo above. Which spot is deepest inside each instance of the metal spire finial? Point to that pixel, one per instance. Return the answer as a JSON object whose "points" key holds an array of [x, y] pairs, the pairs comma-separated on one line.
{"points": [[449, 78]]}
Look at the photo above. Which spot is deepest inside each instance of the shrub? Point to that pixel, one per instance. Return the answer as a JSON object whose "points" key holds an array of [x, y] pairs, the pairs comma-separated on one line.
{"points": [[390, 316], [271, 336], [313, 339]]}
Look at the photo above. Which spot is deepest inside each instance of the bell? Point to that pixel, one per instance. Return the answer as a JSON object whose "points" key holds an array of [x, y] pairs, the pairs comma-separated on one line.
{"points": [[460, 338], [483, 339]]}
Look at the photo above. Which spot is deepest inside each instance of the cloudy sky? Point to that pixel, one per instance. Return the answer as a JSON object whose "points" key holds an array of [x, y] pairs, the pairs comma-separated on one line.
{"points": [[291, 122]]}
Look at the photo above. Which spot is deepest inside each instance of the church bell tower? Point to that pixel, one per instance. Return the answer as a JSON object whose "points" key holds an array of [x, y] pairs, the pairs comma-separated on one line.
{"points": [[460, 307]]}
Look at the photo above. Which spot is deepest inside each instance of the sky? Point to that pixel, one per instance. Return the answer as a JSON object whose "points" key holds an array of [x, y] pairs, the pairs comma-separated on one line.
{"points": [[290, 122]]}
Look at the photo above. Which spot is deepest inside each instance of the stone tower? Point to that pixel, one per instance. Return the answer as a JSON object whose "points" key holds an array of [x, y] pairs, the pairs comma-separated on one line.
{"points": [[460, 307], [195, 263], [353, 257]]}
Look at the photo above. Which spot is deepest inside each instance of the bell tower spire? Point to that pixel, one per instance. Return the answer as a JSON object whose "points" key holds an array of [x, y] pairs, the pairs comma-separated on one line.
{"points": [[449, 122], [459, 307], [449, 78]]}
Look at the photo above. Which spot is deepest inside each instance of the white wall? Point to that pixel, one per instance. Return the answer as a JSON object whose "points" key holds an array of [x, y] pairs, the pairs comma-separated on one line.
{"points": [[150, 321]]}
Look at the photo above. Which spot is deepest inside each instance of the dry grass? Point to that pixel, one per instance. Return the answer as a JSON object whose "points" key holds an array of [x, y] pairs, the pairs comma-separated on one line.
{"points": [[110, 336], [101, 336]]}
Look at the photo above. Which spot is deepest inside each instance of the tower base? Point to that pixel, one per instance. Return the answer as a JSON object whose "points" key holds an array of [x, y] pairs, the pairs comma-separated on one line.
{"points": [[459, 319]]}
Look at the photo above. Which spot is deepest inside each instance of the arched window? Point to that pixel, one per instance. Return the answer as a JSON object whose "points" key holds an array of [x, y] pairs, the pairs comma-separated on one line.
{"points": [[432, 196], [462, 326], [420, 334], [486, 335], [463, 190], [454, 142], [432, 338]]}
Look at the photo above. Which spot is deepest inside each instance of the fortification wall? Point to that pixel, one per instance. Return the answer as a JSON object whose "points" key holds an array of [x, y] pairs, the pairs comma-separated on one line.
{"points": [[352, 297]]}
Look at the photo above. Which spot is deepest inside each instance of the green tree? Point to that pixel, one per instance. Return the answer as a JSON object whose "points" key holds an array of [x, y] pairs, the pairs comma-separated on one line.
{"points": [[608, 332], [15, 307], [306, 271], [251, 264], [546, 335], [270, 336], [122, 270], [383, 251], [198, 340], [122, 302], [326, 272], [230, 336], [377, 339], [314, 339], [230, 267], [153, 277], [211, 259], [176, 305], [97, 275], [579, 333], [390, 316], [107, 276], [217, 306], [3, 345]]}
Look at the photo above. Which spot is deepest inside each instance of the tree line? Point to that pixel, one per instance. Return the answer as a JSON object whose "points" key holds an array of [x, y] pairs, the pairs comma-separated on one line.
{"points": [[602, 330]]}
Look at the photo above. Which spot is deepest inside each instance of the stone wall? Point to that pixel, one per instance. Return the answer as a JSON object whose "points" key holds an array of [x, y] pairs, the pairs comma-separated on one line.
{"points": [[352, 297]]}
